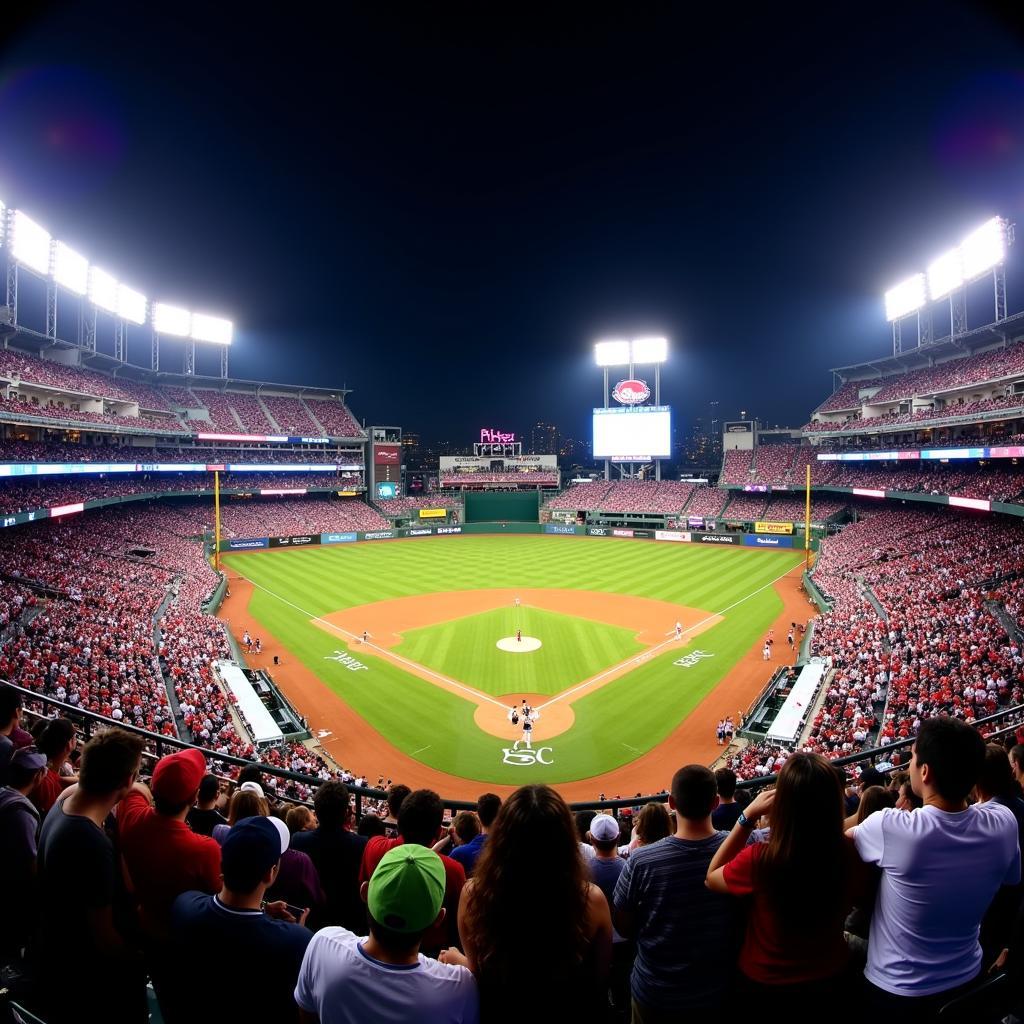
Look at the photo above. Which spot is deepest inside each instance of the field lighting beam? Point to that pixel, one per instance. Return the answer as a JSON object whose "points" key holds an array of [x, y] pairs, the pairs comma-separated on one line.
{"points": [[900, 301]]}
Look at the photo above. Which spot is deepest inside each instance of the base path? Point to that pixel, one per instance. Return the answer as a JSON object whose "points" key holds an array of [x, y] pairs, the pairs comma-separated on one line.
{"points": [[356, 745]]}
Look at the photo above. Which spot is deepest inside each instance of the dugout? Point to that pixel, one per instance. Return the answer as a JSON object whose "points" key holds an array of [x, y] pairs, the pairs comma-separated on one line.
{"points": [[502, 506]]}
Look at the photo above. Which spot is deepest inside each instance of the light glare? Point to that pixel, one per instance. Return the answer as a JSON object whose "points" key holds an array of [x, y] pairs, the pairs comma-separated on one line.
{"points": [[611, 353], [650, 350], [945, 275], [31, 243], [983, 249], [171, 320], [904, 298], [102, 289], [70, 269], [211, 328], [131, 305]]}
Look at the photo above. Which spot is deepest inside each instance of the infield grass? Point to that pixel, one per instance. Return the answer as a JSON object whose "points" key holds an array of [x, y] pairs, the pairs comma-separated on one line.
{"points": [[613, 725]]}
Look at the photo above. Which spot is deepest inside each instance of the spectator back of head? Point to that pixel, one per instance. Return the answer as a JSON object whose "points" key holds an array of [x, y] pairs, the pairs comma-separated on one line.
{"points": [[487, 807], [694, 792], [110, 761], [330, 802], [954, 755], [466, 826], [56, 737], [725, 780], [10, 701], [420, 816], [396, 797], [996, 778]]}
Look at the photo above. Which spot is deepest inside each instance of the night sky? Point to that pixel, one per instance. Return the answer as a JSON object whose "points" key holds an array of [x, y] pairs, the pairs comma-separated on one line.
{"points": [[444, 209]]}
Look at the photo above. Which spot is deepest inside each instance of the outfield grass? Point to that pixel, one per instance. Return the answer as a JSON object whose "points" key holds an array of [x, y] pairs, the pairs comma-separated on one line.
{"points": [[573, 649], [614, 725]]}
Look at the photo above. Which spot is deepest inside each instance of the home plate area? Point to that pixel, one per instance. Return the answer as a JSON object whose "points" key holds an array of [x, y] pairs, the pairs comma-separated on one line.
{"points": [[518, 645]]}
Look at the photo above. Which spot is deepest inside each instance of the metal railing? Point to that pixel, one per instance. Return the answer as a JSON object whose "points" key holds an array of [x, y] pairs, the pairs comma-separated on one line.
{"points": [[162, 745]]}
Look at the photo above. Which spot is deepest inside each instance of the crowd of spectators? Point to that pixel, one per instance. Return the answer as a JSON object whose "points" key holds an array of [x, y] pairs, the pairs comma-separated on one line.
{"points": [[409, 503], [737, 466], [644, 496], [707, 501], [289, 412], [990, 481], [65, 411], [334, 417], [294, 516], [919, 418], [792, 507], [926, 645]]}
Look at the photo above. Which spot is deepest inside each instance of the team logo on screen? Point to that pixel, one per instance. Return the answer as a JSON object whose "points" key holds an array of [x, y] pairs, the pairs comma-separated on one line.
{"points": [[631, 392]]}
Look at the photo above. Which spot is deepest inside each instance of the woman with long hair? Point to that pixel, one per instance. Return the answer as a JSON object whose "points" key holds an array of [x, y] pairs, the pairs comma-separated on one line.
{"points": [[536, 931], [652, 823], [802, 882]]}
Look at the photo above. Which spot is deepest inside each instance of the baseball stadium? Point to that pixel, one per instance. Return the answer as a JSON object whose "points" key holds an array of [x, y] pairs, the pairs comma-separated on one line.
{"points": [[289, 706]]}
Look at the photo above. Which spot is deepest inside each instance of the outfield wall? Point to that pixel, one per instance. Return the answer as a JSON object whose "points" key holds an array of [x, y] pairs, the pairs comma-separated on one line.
{"points": [[548, 529], [507, 506]]}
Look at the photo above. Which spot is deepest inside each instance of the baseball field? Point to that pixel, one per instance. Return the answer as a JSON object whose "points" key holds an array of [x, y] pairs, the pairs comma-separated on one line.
{"points": [[460, 630]]}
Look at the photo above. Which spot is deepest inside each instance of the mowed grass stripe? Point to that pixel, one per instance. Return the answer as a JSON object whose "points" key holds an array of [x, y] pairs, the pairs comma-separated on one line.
{"points": [[630, 714]]}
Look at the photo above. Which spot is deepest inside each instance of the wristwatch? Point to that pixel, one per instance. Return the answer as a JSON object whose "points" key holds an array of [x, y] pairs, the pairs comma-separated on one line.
{"points": [[744, 822]]}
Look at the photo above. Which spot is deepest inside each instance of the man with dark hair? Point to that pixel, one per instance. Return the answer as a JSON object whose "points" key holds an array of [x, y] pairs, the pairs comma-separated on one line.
{"points": [[724, 816], [78, 874], [686, 935], [10, 719], [941, 865], [19, 823], [56, 743], [1017, 763], [336, 854], [468, 852], [164, 857], [419, 823], [204, 816], [348, 980], [244, 934], [396, 794]]}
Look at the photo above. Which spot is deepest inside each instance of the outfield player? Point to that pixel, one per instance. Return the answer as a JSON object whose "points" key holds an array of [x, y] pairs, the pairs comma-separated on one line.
{"points": [[515, 603]]}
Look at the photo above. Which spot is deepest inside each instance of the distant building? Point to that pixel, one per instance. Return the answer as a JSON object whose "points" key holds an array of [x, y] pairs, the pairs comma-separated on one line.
{"points": [[544, 439]]}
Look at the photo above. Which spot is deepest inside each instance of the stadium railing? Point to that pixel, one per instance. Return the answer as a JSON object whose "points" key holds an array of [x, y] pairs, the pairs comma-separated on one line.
{"points": [[158, 746]]}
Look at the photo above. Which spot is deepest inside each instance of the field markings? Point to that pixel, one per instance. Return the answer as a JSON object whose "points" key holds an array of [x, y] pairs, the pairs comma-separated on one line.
{"points": [[651, 651], [419, 669]]}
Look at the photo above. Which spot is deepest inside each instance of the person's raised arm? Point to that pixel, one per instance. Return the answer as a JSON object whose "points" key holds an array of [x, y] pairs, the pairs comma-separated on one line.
{"points": [[737, 840]]}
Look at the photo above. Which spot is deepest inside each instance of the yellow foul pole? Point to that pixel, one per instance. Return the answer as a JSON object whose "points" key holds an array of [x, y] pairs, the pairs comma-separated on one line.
{"points": [[216, 519], [807, 521]]}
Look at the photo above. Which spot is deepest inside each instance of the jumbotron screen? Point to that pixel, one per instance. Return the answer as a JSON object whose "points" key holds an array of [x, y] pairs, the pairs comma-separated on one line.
{"points": [[633, 434]]}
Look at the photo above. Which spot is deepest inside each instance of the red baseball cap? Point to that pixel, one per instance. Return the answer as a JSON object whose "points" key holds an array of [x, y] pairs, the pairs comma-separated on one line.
{"points": [[176, 777]]}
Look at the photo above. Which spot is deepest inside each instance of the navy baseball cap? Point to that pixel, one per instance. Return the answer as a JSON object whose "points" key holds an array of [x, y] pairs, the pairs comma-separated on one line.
{"points": [[252, 847]]}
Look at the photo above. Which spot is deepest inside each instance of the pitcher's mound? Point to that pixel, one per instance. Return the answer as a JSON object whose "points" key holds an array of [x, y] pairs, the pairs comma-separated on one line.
{"points": [[514, 646]]}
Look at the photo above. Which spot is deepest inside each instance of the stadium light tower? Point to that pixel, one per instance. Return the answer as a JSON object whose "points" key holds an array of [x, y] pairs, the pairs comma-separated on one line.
{"points": [[981, 252], [641, 351]]}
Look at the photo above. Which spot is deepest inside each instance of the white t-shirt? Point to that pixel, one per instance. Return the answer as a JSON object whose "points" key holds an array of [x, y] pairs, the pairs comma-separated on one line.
{"points": [[940, 871], [340, 983]]}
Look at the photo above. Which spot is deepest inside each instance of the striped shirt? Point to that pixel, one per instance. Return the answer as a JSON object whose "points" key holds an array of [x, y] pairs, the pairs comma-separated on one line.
{"points": [[686, 935]]}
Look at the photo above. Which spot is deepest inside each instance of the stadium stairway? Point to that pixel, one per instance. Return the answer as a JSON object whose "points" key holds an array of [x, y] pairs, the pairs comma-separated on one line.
{"points": [[1005, 620], [309, 410], [278, 429], [179, 719]]}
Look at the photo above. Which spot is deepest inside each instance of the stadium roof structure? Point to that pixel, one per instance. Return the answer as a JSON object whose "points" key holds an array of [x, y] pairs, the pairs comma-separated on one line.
{"points": [[37, 342], [1009, 330]]}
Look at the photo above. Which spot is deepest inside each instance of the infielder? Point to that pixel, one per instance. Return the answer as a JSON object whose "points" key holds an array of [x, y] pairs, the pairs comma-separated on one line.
{"points": [[679, 630]]}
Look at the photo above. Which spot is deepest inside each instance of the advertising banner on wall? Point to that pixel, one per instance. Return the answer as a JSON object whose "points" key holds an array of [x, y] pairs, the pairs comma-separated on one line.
{"points": [[297, 541], [695, 522], [676, 535], [597, 531], [622, 533], [717, 538], [379, 535], [772, 527], [449, 529], [424, 531], [386, 454], [241, 544], [561, 528], [754, 540], [338, 538], [433, 513]]}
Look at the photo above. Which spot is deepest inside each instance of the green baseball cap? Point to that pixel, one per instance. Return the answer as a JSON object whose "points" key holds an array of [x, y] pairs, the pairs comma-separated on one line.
{"points": [[407, 888]]}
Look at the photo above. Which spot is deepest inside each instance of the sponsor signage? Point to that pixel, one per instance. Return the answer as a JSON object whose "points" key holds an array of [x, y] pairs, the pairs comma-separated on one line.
{"points": [[739, 427], [488, 435], [379, 535], [262, 438], [282, 490], [981, 504], [56, 511], [695, 522], [338, 538], [867, 492], [562, 528], [347, 494], [449, 529], [675, 535], [238, 544], [759, 488], [433, 513], [425, 532], [386, 454], [622, 533], [295, 541], [17, 518], [597, 531], [953, 453], [716, 538], [387, 491], [15, 469], [631, 392], [771, 527], [645, 534], [753, 540]]}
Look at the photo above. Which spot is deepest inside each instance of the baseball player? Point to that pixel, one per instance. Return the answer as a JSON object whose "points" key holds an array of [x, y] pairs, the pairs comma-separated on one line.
{"points": [[515, 603], [366, 637], [679, 630], [519, 636]]}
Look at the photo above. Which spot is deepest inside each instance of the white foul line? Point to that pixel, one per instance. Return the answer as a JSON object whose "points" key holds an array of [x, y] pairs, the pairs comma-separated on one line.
{"points": [[644, 655], [381, 651]]}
